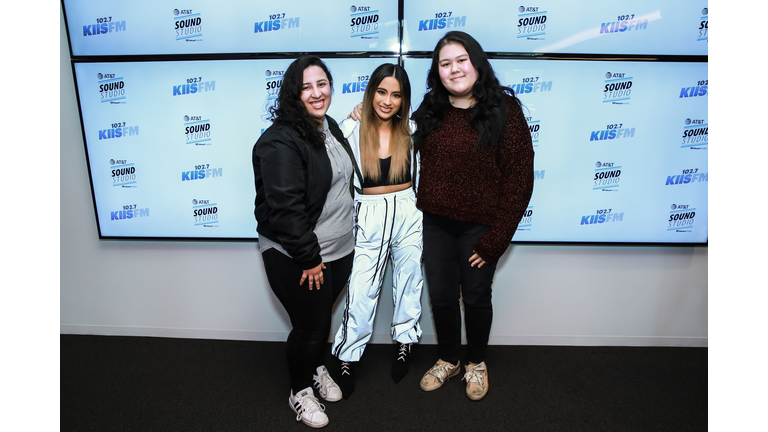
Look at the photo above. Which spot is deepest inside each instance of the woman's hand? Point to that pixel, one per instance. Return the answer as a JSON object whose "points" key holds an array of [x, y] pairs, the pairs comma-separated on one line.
{"points": [[475, 259], [315, 276], [357, 112]]}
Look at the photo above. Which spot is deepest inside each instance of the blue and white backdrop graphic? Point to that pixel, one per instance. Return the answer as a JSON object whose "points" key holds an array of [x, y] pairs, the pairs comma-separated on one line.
{"points": [[621, 146]]}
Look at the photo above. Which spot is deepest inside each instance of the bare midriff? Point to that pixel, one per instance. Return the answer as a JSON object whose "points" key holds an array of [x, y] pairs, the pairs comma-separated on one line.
{"points": [[380, 190]]}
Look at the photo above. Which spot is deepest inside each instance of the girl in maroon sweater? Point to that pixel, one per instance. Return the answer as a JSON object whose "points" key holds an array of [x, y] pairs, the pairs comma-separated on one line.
{"points": [[476, 182]]}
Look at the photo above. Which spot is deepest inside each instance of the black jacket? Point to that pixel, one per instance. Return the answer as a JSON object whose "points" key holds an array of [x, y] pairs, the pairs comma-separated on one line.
{"points": [[292, 180]]}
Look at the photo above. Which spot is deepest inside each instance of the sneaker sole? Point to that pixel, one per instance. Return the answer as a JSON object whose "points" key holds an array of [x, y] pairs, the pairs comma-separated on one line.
{"points": [[439, 384], [328, 399]]}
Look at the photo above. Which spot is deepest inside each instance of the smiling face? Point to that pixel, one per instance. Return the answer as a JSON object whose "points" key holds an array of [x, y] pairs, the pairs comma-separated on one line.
{"points": [[387, 99], [316, 92], [457, 73]]}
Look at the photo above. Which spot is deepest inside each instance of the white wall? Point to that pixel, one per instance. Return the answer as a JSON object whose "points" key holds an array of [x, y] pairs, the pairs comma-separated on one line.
{"points": [[543, 295]]}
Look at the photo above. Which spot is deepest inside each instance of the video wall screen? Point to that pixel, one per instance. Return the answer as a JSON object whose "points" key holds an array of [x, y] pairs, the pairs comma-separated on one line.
{"points": [[621, 144], [169, 143], [151, 27], [652, 27]]}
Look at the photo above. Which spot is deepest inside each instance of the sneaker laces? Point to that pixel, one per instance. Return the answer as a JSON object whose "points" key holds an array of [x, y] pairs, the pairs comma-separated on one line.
{"points": [[440, 371], [345, 369], [405, 349], [308, 404], [322, 381], [474, 376]]}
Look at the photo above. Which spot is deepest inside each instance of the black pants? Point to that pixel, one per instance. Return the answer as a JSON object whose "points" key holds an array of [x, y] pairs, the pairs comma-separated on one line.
{"points": [[447, 248], [309, 311]]}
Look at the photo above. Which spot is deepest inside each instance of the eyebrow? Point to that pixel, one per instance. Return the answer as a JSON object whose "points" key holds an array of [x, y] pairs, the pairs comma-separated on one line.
{"points": [[318, 81], [457, 57]]}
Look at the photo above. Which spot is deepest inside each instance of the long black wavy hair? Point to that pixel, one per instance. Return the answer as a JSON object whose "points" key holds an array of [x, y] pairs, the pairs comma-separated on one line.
{"points": [[489, 114], [289, 108]]}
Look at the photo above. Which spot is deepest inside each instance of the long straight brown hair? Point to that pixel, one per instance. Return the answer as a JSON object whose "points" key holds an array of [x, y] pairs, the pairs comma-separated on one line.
{"points": [[399, 138]]}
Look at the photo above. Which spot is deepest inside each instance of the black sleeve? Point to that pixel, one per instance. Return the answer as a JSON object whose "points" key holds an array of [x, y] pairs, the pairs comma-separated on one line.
{"points": [[284, 181]]}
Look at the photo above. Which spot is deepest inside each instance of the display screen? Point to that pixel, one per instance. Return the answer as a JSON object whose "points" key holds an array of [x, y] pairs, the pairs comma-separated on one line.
{"points": [[621, 144], [652, 27], [143, 27]]}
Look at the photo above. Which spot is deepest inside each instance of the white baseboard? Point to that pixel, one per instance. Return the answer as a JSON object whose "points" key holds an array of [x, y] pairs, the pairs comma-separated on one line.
{"points": [[427, 339]]}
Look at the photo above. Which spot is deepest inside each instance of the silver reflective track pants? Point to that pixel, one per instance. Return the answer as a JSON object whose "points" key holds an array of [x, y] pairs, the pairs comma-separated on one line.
{"points": [[389, 228]]}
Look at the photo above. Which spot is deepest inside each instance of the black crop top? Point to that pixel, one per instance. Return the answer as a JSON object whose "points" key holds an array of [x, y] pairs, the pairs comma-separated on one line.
{"points": [[384, 165]]}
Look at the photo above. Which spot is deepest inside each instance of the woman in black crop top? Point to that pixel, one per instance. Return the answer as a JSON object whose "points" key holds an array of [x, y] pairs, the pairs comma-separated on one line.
{"points": [[387, 224]]}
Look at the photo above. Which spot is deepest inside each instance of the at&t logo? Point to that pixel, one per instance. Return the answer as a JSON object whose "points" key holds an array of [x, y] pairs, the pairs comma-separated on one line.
{"points": [[607, 176], [681, 218], [111, 88], [123, 173], [531, 23], [197, 130], [188, 25], [205, 213], [364, 22], [695, 134], [618, 88]]}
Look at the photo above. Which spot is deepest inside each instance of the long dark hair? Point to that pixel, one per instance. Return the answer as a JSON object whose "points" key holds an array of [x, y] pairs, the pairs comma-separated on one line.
{"points": [[400, 137], [288, 107], [488, 116]]}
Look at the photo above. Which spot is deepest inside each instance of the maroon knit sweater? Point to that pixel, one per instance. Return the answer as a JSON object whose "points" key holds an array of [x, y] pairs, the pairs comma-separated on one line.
{"points": [[491, 187]]}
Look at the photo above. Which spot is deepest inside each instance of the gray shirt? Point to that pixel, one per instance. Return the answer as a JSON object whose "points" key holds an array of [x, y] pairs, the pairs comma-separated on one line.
{"points": [[334, 227]]}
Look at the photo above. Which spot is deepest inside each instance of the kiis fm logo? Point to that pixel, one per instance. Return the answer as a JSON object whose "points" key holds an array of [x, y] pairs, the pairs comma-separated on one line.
{"points": [[187, 25], [700, 89], [681, 218], [201, 172], [197, 130], [130, 211], [276, 22], [194, 85], [111, 88], [531, 23], [526, 222], [123, 173], [695, 134], [103, 26], [364, 22], [607, 177], [534, 126], [442, 20], [602, 216], [205, 212], [531, 85], [355, 86], [624, 23], [704, 26], [612, 131], [618, 88], [691, 175], [274, 82], [118, 130]]}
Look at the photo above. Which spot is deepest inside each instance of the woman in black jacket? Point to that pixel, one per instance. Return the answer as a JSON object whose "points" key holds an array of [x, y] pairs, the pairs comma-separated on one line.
{"points": [[303, 170]]}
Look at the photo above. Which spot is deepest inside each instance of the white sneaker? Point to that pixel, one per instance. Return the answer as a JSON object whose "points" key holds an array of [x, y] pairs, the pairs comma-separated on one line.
{"points": [[326, 386], [308, 409]]}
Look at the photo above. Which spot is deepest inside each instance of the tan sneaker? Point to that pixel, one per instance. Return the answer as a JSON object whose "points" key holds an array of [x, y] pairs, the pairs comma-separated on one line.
{"points": [[477, 381], [441, 372]]}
